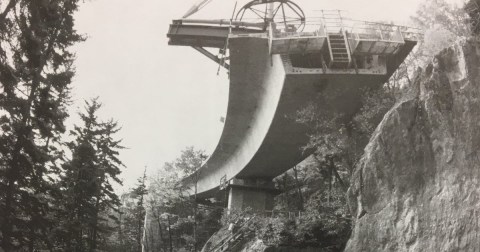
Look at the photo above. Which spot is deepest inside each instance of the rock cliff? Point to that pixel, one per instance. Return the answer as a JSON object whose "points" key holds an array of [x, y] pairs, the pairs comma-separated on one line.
{"points": [[417, 187]]}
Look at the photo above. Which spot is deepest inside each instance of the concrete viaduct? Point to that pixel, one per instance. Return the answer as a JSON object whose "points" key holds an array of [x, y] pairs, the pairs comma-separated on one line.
{"points": [[275, 70]]}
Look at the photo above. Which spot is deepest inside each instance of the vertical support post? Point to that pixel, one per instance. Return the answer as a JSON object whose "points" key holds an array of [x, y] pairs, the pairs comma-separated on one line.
{"points": [[271, 27], [324, 23], [270, 10], [324, 65], [341, 22], [299, 190], [381, 32], [400, 34], [195, 215], [270, 39], [345, 38]]}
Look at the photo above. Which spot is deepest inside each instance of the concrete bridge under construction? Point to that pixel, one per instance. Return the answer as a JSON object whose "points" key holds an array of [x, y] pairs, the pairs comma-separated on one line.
{"points": [[276, 67]]}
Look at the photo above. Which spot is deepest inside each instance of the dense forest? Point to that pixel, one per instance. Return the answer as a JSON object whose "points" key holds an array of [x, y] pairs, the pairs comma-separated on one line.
{"points": [[57, 183]]}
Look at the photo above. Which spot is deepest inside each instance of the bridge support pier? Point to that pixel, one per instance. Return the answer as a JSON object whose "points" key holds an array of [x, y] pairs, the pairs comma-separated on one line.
{"points": [[257, 194]]}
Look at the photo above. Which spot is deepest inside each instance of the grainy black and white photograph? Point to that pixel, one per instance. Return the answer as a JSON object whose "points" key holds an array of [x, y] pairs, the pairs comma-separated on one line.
{"points": [[239, 125]]}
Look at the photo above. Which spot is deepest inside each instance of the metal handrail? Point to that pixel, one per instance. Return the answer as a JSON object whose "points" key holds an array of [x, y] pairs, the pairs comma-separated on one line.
{"points": [[331, 21]]}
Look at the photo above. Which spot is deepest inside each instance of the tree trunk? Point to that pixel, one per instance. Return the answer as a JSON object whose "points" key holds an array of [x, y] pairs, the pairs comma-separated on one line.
{"points": [[195, 217], [152, 240], [160, 233], [139, 234], [299, 190], [335, 172], [93, 238], [286, 194], [330, 178], [120, 232], [170, 234]]}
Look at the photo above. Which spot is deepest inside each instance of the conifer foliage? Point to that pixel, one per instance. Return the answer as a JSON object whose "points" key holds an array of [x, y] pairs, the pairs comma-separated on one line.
{"points": [[35, 75], [90, 200]]}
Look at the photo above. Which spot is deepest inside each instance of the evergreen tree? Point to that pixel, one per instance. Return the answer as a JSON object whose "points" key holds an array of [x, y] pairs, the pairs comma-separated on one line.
{"points": [[89, 195], [133, 220], [35, 75]]}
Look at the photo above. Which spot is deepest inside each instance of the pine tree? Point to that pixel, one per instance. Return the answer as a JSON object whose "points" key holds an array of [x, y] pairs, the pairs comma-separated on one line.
{"points": [[35, 75], [89, 195]]}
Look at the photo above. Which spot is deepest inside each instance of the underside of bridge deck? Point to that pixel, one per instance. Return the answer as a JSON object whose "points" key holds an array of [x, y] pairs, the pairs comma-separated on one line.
{"points": [[261, 138]]}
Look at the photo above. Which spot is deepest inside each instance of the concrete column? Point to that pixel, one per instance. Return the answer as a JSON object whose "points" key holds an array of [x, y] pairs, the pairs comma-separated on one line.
{"points": [[256, 194]]}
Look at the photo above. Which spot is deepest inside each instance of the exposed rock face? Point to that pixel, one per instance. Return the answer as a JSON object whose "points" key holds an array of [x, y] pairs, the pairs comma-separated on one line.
{"points": [[417, 187]]}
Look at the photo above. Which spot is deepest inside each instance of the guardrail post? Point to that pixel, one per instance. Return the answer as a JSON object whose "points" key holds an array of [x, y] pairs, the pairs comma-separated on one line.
{"points": [[400, 34], [341, 21], [381, 33]]}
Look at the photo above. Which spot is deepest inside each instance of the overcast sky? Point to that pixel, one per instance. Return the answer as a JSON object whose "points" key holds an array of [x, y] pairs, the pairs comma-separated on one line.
{"points": [[165, 97]]}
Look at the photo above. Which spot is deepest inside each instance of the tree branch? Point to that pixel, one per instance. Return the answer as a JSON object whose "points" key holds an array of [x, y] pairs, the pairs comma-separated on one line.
{"points": [[335, 172]]}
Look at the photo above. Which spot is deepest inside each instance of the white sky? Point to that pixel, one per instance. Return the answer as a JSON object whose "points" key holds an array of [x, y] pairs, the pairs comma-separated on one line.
{"points": [[165, 97]]}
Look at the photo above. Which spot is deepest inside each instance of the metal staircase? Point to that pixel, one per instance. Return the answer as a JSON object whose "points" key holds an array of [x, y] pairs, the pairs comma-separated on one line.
{"points": [[339, 50], [339, 53]]}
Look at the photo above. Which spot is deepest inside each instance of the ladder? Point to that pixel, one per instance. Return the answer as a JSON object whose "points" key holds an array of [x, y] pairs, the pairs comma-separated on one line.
{"points": [[339, 48], [339, 53]]}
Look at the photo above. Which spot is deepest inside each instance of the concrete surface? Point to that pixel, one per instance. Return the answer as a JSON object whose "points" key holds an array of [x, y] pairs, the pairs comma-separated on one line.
{"points": [[260, 138]]}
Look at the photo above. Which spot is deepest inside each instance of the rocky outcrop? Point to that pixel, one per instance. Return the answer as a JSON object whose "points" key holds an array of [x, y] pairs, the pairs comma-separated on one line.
{"points": [[417, 187]]}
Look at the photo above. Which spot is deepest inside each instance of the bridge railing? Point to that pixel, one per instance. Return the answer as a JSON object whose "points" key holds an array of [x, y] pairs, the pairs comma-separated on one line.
{"points": [[329, 21], [336, 21], [290, 37]]}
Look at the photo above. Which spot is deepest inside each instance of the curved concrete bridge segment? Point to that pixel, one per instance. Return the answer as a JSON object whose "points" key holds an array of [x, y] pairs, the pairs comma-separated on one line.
{"points": [[275, 72], [260, 139]]}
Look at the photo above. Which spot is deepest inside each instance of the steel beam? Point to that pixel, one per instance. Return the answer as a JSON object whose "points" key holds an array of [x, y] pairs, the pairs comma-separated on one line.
{"points": [[211, 56], [203, 35]]}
